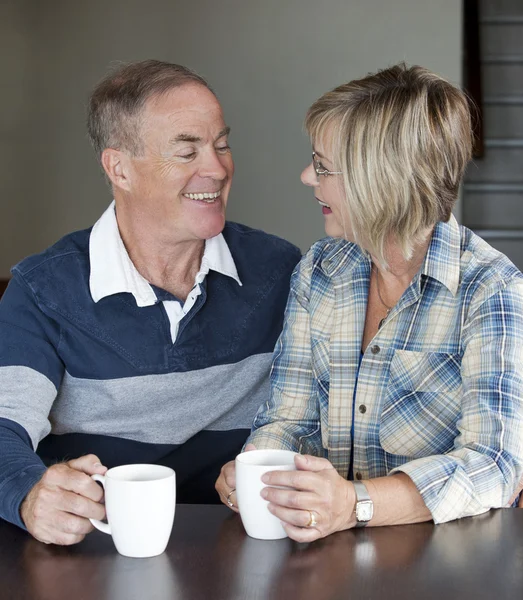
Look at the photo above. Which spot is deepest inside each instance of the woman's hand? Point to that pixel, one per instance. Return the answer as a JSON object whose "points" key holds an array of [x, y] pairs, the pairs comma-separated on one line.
{"points": [[226, 483], [321, 502]]}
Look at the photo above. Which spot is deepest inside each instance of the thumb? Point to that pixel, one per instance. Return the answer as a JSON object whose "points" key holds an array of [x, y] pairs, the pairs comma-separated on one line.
{"points": [[249, 447], [306, 462], [89, 464]]}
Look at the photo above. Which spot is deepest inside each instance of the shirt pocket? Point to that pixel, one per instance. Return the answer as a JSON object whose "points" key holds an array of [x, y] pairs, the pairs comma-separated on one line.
{"points": [[422, 404]]}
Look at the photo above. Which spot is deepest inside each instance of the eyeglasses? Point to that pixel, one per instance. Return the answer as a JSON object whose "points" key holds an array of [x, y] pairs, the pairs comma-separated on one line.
{"points": [[320, 169]]}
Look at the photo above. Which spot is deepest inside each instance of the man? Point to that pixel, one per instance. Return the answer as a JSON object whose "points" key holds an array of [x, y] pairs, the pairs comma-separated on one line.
{"points": [[149, 337]]}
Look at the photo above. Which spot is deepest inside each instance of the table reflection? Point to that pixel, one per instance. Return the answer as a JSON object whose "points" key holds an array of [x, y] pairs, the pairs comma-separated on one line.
{"points": [[277, 569], [56, 573]]}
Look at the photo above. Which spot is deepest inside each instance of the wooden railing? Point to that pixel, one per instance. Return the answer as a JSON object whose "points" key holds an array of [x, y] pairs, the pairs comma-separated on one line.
{"points": [[472, 70], [3, 285]]}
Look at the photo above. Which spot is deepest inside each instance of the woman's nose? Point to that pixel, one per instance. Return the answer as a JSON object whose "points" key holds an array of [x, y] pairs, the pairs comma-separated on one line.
{"points": [[308, 176]]}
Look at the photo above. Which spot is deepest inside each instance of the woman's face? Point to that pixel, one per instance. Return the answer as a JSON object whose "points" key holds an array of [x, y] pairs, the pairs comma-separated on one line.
{"points": [[328, 189]]}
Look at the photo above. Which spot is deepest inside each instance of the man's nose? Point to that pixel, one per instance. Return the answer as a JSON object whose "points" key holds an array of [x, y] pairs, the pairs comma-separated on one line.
{"points": [[213, 166]]}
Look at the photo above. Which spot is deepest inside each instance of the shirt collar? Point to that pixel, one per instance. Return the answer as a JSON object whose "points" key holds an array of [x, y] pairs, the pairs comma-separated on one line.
{"points": [[113, 272], [340, 255], [442, 261]]}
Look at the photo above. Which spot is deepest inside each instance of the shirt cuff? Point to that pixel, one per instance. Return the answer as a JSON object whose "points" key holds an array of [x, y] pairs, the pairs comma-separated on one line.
{"points": [[16, 489], [445, 488]]}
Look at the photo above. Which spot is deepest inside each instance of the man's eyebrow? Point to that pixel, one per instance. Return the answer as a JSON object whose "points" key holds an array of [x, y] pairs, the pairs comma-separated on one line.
{"points": [[186, 137], [225, 131]]}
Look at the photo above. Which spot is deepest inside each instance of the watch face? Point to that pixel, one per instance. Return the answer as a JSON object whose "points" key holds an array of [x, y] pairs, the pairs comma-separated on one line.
{"points": [[364, 510]]}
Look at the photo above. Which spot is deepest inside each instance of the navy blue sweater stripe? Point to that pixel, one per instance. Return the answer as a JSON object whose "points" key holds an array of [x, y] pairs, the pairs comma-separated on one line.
{"points": [[50, 325]]}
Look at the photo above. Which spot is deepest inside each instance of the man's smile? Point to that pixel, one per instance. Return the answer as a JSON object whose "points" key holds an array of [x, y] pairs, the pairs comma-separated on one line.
{"points": [[208, 197]]}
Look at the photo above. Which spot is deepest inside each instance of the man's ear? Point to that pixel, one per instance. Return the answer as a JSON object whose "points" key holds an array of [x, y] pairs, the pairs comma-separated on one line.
{"points": [[116, 166]]}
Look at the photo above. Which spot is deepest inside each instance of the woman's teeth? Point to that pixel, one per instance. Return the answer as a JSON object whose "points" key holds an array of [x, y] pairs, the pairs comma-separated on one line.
{"points": [[205, 196], [323, 203]]}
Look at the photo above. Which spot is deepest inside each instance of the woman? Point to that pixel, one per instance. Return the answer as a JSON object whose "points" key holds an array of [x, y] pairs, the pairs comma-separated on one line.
{"points": [[399, 372]]}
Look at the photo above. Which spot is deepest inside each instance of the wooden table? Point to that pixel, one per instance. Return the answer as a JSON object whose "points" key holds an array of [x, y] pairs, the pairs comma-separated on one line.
{"points": [[210, 557]]}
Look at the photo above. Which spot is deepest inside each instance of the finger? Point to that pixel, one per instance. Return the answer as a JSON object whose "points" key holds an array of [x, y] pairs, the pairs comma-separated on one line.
{"points": [[57, 537], [234, 501], [227, 479], [306, 462], [69, 479], [72, 524], [229, 473], [299, 480], [290, 498], [89, 464], [62, 528], [223, 491], [80, 506], [298, 518], [302, 534], [250, 448]]}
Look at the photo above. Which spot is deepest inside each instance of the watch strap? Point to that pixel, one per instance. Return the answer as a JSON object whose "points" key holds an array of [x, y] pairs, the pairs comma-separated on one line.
{"points": [[362, 495], [361, 491]]}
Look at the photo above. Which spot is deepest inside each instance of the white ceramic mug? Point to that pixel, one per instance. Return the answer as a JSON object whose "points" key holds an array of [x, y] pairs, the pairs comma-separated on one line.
{"points": [[250, 466], [140, 501]]}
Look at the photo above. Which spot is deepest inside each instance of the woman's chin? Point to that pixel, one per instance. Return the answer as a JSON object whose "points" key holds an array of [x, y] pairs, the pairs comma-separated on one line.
{"points": [[334, 230]]}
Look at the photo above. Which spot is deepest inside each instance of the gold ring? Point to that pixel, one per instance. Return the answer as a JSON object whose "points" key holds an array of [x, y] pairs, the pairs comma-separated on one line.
{"points": [[312, 521], [229, 501]]}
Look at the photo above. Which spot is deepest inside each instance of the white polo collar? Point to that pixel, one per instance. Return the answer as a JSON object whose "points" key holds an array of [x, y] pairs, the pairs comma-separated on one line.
{"points": [[113, 272]]}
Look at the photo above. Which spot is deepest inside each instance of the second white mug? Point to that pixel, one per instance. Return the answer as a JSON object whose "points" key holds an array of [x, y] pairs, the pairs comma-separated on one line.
{"points": [[250, 466]]}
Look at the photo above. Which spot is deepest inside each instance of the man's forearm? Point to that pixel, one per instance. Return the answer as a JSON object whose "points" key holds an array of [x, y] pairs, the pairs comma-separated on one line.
{"points": [[20, 470]]}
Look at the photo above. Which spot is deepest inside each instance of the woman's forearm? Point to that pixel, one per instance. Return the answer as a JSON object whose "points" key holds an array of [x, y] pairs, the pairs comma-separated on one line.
{"points": [[396, 501]]}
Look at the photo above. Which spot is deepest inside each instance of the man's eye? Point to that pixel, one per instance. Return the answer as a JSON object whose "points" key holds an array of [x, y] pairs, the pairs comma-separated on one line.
{"points": [[188, 156], [223, 149]]}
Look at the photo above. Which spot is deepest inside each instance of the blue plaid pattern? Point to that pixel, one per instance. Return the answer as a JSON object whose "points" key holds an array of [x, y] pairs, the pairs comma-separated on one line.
{"points": [[440, 389]]}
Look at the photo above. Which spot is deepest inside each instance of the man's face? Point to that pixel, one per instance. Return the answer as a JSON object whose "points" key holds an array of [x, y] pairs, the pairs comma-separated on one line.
{"points": [[181, 181]]}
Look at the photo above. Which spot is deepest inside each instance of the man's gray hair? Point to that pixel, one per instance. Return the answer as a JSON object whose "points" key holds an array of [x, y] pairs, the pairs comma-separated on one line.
{"points": [[117, 102]]}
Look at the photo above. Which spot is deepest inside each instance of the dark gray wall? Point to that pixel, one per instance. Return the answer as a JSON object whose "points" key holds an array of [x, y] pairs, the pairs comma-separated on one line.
{"points": [[267, 61]]}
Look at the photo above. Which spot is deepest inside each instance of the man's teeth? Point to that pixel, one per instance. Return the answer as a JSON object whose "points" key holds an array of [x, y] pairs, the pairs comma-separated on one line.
{"points": [[206, 196], [323, 204]]}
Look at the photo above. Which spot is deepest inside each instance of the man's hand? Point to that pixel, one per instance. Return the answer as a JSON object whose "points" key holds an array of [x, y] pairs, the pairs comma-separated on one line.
{"points": [[58, 508], [226, 483]]}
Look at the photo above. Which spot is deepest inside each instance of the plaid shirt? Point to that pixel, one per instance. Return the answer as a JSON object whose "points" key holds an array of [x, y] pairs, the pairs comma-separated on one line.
{"points": [[439, 391]]}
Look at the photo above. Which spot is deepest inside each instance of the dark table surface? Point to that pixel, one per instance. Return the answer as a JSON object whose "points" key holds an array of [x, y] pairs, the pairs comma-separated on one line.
{"points": [[210, 557]]}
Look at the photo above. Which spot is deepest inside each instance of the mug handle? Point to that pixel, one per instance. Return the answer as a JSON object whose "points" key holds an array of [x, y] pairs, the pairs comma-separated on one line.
{"points": [[105, 527]]}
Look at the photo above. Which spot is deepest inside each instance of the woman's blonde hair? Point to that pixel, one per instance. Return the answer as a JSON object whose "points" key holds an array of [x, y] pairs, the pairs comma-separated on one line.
{"points": [[402, 138]]}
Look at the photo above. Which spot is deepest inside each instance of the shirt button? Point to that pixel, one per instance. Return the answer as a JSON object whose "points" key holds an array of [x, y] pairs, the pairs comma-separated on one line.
{"points": [[363, 409], [359, 476], [375, 349]]}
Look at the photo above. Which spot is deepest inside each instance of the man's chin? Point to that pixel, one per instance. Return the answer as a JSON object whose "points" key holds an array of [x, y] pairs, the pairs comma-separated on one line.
{"points": [[209, 228]]}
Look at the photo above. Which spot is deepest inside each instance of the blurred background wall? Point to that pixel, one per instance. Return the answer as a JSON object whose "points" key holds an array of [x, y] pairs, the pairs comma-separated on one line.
{"points": [[267, 60]]}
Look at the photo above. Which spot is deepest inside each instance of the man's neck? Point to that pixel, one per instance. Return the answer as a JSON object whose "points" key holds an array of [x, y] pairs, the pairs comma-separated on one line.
{"points": [[163, 261]]}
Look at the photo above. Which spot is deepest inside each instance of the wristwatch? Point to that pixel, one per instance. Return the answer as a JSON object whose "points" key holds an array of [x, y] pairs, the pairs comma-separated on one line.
{"points": [[364, 508]]}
